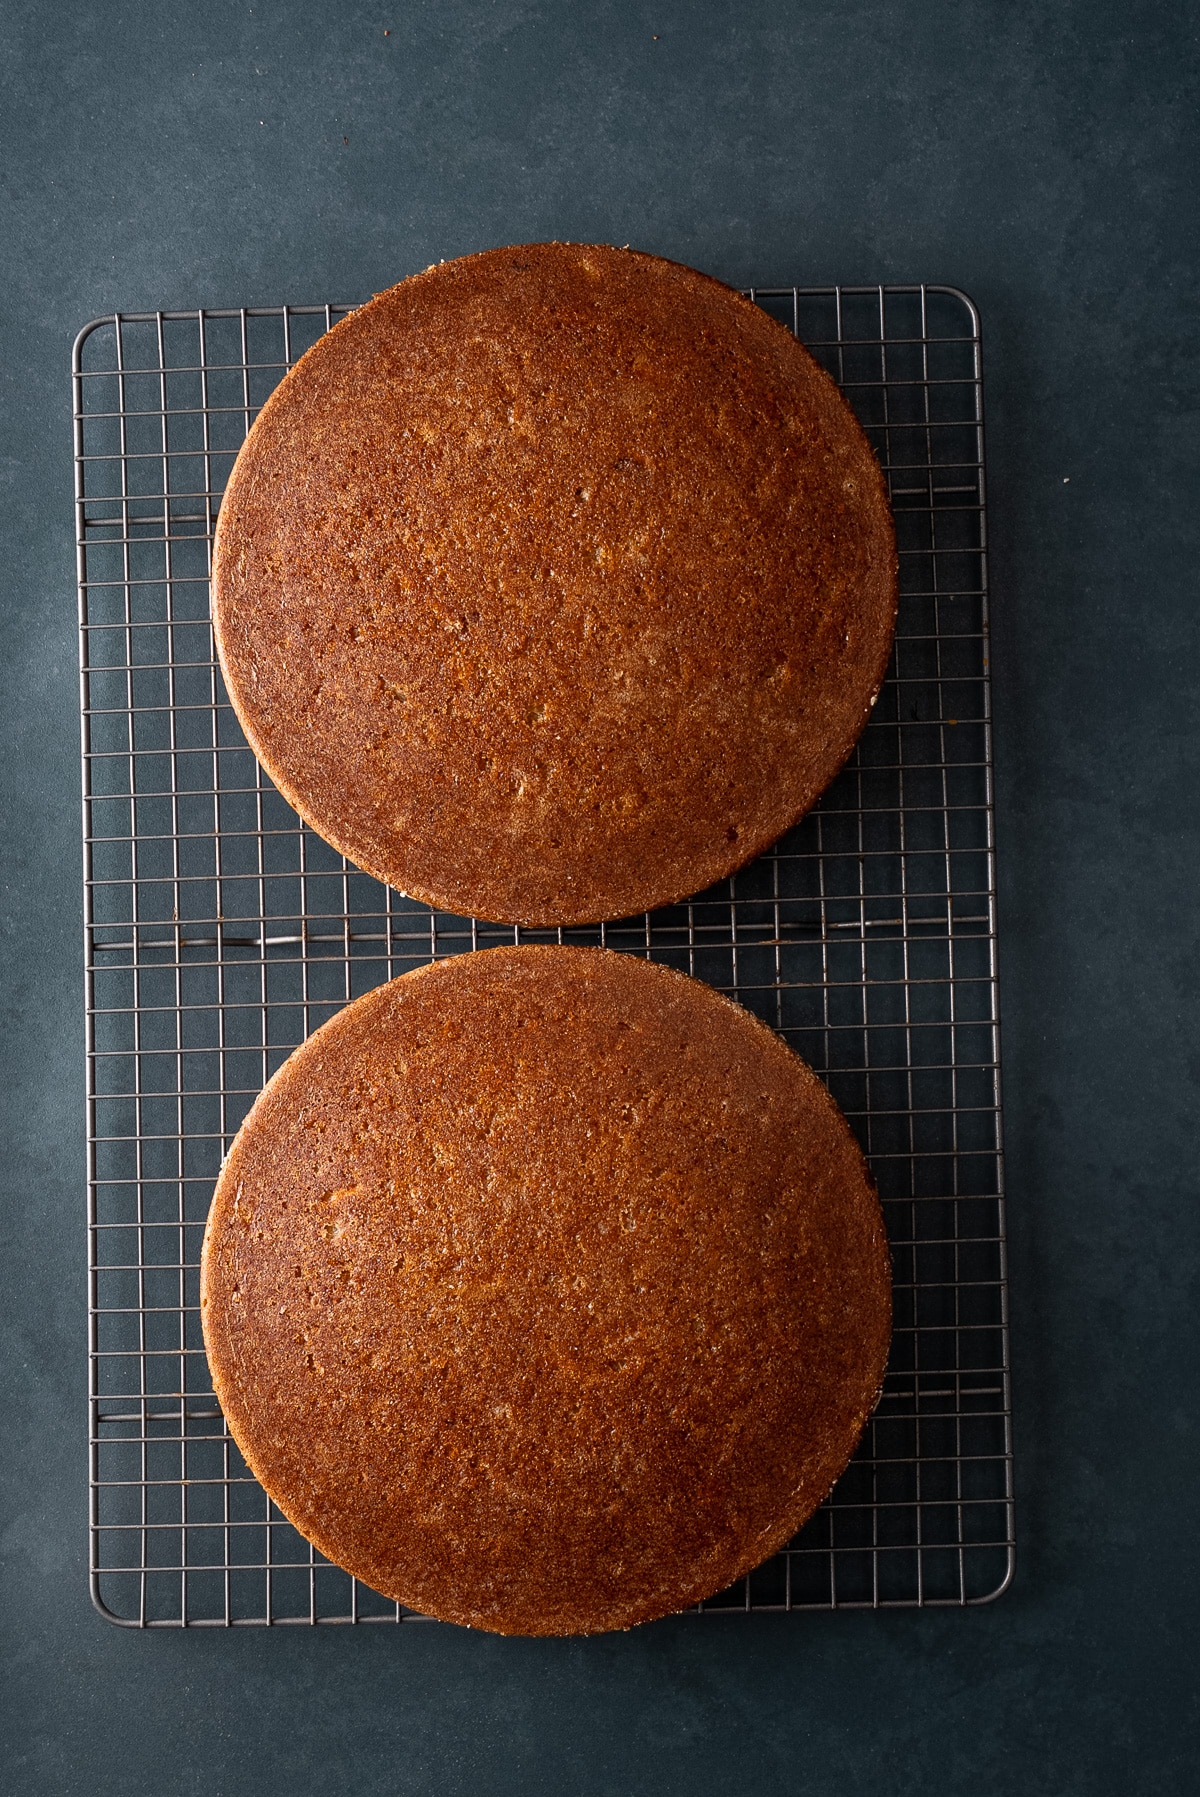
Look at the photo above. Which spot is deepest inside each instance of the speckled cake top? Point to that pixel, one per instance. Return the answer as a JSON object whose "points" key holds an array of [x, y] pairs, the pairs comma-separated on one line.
{"points": [[555, 583], [546, 1290]]}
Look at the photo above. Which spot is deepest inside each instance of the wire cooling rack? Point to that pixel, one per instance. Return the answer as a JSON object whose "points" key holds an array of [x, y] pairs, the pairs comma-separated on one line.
{"points": [[219, 932]]}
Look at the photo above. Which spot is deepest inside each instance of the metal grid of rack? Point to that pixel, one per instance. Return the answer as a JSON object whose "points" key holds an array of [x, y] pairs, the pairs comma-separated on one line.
{"points": [[219, 932]]}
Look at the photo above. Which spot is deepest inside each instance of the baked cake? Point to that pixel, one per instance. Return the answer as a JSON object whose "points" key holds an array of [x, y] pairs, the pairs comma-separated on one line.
{"points": [[546, 1290], [554, 584]]}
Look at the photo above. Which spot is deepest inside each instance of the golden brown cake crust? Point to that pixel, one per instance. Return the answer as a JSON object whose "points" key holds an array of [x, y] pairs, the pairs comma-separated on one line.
{"points": [[546, 1290], [554, 584]]}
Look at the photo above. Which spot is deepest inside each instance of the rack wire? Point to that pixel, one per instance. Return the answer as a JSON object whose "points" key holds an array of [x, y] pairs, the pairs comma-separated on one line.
{"points": [[219, 932]]}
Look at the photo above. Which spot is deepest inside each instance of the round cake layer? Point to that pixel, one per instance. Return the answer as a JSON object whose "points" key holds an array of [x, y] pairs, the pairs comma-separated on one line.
{"points": [[546, 1290], [554, 584]]}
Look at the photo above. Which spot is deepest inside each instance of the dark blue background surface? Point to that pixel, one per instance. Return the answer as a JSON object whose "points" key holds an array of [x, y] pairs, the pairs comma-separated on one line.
{"points": [[1042, 157]]}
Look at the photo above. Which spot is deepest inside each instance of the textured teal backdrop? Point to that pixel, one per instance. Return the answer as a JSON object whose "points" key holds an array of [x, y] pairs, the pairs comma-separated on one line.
{"points": [[1042, 157]]}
